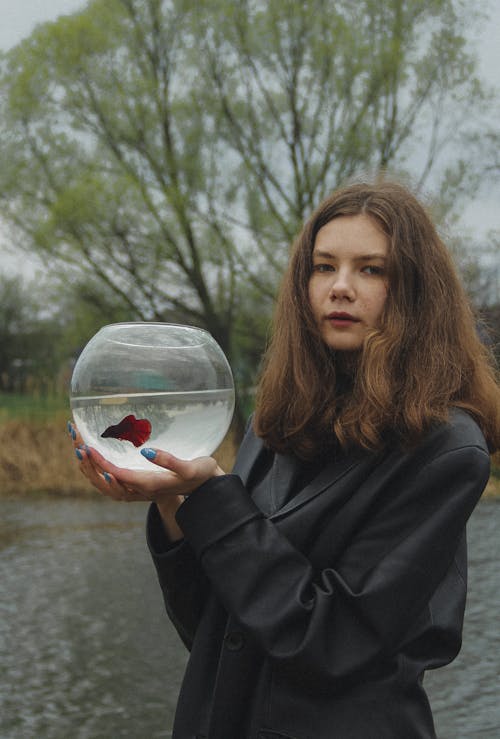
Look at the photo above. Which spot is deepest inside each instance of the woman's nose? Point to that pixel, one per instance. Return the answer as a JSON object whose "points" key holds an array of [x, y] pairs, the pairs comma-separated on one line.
{"points": [[342, 286]]}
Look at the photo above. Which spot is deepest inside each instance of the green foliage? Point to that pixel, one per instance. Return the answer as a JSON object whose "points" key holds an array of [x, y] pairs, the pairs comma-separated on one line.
{"points": [[166, 154], [82, 309], [33, 408], [28, 357], [42, 330]]}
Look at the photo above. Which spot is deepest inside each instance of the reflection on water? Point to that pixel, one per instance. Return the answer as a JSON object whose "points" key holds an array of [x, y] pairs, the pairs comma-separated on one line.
{"points": [[85, 648], [86, 651], [465, 694]]}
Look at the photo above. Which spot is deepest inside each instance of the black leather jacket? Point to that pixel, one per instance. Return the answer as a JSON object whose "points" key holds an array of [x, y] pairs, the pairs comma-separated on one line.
{"points": [[318, 621]]}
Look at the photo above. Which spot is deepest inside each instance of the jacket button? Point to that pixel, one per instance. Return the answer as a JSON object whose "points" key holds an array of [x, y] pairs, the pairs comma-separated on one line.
{"points": [[234, 641]]}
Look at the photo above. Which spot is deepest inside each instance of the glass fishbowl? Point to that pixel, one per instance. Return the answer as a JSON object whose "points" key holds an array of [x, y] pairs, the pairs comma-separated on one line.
{"points": [[157, 385]]}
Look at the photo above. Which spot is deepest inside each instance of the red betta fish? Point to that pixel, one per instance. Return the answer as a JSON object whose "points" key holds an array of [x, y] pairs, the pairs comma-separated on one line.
{"points": [[136, 430]]}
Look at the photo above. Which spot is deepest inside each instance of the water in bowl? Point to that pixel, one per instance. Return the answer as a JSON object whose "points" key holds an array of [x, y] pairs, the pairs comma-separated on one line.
{"points": [[186, 424]]}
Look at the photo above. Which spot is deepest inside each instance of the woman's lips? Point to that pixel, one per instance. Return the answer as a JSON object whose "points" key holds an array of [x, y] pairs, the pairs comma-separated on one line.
{"points": [[340, 319]]}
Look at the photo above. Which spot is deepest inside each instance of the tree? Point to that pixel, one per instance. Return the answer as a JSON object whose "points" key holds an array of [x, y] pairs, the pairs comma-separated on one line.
{"points": [[481, 276], [29, 354], [43, 327], [171, 152], [80, 309]]}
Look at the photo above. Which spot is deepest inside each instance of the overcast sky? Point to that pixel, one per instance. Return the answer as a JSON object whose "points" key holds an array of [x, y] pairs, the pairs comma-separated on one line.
{"points": [[19, 17]]}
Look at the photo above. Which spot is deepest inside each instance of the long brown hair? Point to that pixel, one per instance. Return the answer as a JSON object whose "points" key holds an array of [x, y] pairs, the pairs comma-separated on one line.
{"points": [[425, 357]]}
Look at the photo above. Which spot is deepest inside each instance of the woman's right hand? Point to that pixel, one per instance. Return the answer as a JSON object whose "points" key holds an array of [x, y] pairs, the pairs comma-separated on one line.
{"points": [[167, 488]]}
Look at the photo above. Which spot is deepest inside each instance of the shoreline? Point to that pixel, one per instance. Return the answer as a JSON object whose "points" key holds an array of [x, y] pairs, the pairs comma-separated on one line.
{"points": [[37, 460]]}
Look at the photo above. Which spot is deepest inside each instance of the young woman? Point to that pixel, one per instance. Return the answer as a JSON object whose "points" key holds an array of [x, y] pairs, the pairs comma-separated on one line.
{"points": [[315, 584]]}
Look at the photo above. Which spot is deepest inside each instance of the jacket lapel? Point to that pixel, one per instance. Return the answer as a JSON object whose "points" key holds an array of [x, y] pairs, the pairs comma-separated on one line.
{"points": [[328, 475], [248, 454]]}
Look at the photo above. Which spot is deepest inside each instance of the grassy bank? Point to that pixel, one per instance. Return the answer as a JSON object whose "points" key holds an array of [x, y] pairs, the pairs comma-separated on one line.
{"points": [[36, 455], [37, 458], [493, 486], [33, 409]]}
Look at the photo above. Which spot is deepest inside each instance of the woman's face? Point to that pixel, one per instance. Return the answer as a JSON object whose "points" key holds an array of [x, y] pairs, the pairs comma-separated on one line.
{"points": [[348, 283]]}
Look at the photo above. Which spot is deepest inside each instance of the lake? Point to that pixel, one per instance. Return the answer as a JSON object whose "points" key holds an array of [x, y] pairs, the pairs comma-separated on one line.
{"points": [[87, 652]]}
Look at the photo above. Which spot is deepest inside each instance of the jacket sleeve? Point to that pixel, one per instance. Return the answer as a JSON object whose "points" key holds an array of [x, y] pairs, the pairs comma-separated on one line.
{"points": [[332, 623], [182, 580]]}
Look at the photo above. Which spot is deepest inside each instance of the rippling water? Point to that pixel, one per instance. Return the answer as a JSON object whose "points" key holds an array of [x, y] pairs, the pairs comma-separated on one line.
{"points": [[86, 651]]}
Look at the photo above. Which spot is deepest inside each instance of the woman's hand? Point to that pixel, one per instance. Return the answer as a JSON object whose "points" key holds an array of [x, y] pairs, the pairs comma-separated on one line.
{"points": [[167, 488], [179, 477]]}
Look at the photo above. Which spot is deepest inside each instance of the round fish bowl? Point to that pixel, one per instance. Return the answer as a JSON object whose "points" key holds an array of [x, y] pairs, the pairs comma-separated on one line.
{"points": [[156, 385]]}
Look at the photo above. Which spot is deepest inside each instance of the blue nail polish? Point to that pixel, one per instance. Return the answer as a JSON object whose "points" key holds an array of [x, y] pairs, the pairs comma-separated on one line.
{"points": [[70, 427], [148, 453], [107, 477], [79, 454]]}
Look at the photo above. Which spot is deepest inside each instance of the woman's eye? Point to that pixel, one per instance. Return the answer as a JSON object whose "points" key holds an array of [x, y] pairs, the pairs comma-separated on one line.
{"points": [[372, 269], [322, 268]]}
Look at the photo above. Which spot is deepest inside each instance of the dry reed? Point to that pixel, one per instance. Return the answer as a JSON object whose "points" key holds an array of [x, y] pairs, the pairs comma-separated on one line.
{"points": [[39, 459]]}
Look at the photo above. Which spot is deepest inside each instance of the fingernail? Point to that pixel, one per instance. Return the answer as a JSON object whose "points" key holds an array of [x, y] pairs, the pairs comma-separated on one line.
{"points": [[107, 477], [79, 454], [70, 427], [148, 453]]}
